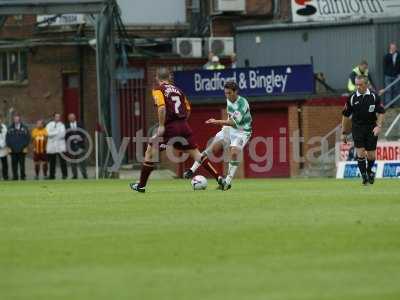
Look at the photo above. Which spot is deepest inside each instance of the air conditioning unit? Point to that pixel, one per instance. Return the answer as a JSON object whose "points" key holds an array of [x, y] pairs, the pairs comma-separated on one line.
{"points": [[229, 5], [188, 47], [220, 46]]}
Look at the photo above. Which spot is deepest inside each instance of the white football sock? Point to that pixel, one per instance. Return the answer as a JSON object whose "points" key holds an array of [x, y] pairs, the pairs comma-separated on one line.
{"points": [[195, 166], [233, 165]]}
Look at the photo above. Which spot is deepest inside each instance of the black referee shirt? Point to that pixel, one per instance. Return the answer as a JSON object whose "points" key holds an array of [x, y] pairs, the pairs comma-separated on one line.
{"points": [[363, 108]]}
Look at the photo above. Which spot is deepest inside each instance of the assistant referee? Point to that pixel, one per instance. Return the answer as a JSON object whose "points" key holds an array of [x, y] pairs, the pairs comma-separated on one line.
{"points": [[367, 112]]}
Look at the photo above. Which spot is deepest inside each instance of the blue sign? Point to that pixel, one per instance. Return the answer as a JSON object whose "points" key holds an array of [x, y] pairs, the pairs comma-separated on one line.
{"points": [[351, 171], [391, 170], [262, 81], [382, 169]]}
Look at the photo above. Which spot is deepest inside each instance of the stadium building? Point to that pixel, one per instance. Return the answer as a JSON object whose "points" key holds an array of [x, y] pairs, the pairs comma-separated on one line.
{"points": [[50, 63]]}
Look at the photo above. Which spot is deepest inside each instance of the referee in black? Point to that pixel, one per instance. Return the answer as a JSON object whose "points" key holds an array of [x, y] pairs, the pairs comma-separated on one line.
{"points": [[367, 113]]}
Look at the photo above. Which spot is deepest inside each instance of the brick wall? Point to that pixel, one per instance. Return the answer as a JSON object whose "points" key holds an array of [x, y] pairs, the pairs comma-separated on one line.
{"points": [[42, 95], [318, 120], [285, 10], [259, 7], [18, 28], [90, 90], [223, 27], [293, 126]]}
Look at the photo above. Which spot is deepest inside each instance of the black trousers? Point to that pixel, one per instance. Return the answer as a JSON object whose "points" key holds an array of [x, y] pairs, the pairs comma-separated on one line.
{"points": [[82, 167], [53, 160], [18, 160], [4, 167]]}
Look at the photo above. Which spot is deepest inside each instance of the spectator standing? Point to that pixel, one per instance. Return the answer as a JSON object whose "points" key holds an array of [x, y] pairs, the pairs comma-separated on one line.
{"points": [[209, 62], [39, 140], [360, 70], [17, 140], [391, 70], [233, 61], [76, 146], [3, 150], [56, 146], [215, 64]]}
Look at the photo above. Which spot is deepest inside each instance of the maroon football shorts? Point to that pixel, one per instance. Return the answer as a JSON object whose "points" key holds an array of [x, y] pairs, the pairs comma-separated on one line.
{"points": [[39, 157], [179, 135]]}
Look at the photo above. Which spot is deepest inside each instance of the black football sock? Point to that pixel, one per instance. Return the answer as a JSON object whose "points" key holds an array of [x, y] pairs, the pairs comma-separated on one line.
{"points": [[37, 169], [371, 164], [147, 168], [45, 167], [362, 166]]}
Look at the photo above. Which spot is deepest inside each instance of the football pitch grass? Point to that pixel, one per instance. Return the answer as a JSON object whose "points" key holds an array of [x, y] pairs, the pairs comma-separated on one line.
{"points": [[278, 239]]}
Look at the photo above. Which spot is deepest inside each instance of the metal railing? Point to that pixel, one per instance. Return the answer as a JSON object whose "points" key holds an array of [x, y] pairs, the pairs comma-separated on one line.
{"points": [[392, 125], [390, 104]]}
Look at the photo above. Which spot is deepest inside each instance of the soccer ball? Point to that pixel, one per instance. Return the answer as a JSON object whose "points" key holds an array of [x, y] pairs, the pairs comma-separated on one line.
{"points": [[199, 183]]}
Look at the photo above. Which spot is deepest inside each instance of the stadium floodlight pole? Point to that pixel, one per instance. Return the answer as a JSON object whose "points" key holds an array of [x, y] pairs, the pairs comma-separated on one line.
{"points": [[114, 103], [96, 143], [93, 43]]}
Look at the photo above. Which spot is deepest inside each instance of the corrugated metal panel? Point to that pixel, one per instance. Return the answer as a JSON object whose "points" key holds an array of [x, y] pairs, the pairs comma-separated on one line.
{"points": [[136, 12], [335, 50]]}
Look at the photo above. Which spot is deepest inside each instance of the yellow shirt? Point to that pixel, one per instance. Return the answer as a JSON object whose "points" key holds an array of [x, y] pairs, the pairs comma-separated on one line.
{"points": [[39, 137]]}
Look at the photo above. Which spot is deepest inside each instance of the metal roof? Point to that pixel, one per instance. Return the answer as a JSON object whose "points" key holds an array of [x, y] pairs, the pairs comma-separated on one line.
{"points": [[288, 26], [44, 7]]}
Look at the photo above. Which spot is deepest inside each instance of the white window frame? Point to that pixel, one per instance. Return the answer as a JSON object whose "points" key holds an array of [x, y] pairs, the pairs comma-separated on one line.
{"points": [[8, 79]]}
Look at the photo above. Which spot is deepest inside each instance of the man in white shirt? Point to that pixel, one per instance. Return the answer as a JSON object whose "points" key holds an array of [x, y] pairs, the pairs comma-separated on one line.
{"points": [[56, 146], [3, 150]]}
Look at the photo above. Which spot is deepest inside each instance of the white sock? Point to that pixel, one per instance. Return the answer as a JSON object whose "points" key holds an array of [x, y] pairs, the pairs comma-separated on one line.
{"points": [[233, 165], [195, 166]]}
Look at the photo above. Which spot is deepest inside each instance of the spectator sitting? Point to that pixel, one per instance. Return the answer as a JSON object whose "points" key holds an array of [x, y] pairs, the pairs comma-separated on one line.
{"points": [[39, 140], [17, 140], [56, 146], [360, 70], [391, 70], [215, 65], [3, 150]]}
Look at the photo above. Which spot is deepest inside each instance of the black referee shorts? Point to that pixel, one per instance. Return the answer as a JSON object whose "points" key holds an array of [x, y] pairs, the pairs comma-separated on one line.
{"points": [[364, 137]]}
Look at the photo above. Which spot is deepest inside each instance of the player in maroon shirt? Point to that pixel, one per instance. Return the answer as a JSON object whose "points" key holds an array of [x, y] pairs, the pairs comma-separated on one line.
{"points": [[173, 129]]}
